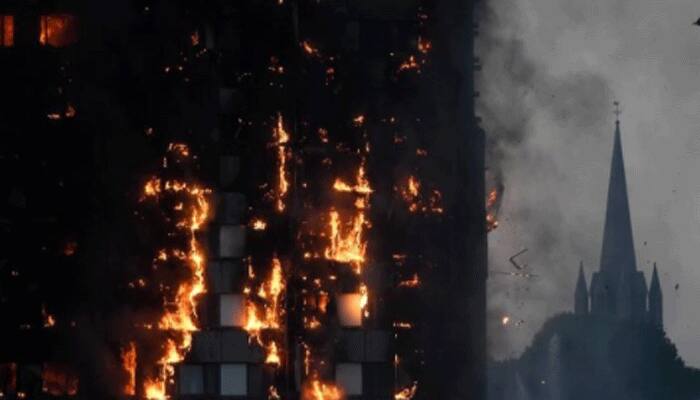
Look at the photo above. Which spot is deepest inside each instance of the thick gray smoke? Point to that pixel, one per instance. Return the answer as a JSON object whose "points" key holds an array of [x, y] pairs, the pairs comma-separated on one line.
{"points": [[551, 70]]}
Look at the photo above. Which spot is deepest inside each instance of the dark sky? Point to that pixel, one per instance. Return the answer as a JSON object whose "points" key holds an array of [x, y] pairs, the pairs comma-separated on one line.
{"points": [[552, 69]]}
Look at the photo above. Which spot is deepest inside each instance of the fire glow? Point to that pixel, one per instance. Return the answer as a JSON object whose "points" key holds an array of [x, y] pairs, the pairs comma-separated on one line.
{"points": [[492, 206], [179, 318], [317, 390], [269, 315], [281, 138], [418, 202]]}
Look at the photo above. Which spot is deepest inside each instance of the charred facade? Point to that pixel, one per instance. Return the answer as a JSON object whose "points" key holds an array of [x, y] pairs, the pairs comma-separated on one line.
{"points": [[316, 167]]}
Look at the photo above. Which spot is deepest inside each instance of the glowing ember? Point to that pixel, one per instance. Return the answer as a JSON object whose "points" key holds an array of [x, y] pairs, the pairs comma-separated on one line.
{"points": [[364, 299], [309, 48], [410, 64], [272, 393], [359, 120], [258, 224], [410, 283], [424, 45], [323, 135], [49, 320], [179, 149], [407, 393], [402, 325]]}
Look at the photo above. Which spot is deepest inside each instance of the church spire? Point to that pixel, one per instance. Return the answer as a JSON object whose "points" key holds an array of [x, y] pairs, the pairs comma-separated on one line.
{"points": [[581, 294], [618, 247], [656, 315]]}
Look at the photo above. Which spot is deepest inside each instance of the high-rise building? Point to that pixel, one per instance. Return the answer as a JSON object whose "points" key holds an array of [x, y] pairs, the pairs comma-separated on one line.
{"points": [[297, 115]]}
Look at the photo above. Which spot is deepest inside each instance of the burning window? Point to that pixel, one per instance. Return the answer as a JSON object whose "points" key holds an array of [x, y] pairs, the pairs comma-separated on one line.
{"points": [[234, 380], [350, 309], [7, 31], [349, 378], [58, 380], [231, 310], [58, 30]]}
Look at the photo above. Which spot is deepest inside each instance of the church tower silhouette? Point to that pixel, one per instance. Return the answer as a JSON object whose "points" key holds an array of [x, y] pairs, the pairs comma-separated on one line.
{"points": [[618, 289]]}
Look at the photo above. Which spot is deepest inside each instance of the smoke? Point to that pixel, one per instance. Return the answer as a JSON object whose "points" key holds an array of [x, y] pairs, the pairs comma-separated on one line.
{"points": [[535, 117]]}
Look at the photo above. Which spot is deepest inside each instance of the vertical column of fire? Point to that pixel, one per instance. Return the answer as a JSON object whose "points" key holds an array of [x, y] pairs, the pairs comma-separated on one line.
{"points": [[345, 244], [178, 273], [265, 303]]}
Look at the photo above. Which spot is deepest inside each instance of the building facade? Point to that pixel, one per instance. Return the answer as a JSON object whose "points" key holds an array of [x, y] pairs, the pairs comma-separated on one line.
{"points": [[278, 100]]}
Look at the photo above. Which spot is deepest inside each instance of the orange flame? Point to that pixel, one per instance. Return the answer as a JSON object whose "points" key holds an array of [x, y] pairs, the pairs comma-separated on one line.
{"points": [[417, 202], [364, 299], [317, 390], [180, 314], [49, 320], [409, 64], [281, 137], [361, 186], [273, 394], [273, 355], [128, 356], [309, 48], [491, 210], [347, 245], [269, 316], [407, 393], [424, 45], [411, 283], [258, 224]]}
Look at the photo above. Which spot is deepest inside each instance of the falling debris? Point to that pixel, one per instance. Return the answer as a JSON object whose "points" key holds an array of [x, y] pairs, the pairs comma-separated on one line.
{"points": [[515, 264]]}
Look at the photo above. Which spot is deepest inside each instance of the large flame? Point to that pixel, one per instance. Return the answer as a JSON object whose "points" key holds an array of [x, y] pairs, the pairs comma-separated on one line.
{"points": [[317, 390], [267, 316], [179, 318], [128, 357], [347, 242]]}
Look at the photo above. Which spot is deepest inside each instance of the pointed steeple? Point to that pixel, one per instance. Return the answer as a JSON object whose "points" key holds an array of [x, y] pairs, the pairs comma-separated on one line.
{"points": [[581, 294], [656, 315], [655, 285], [618, 246]]}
